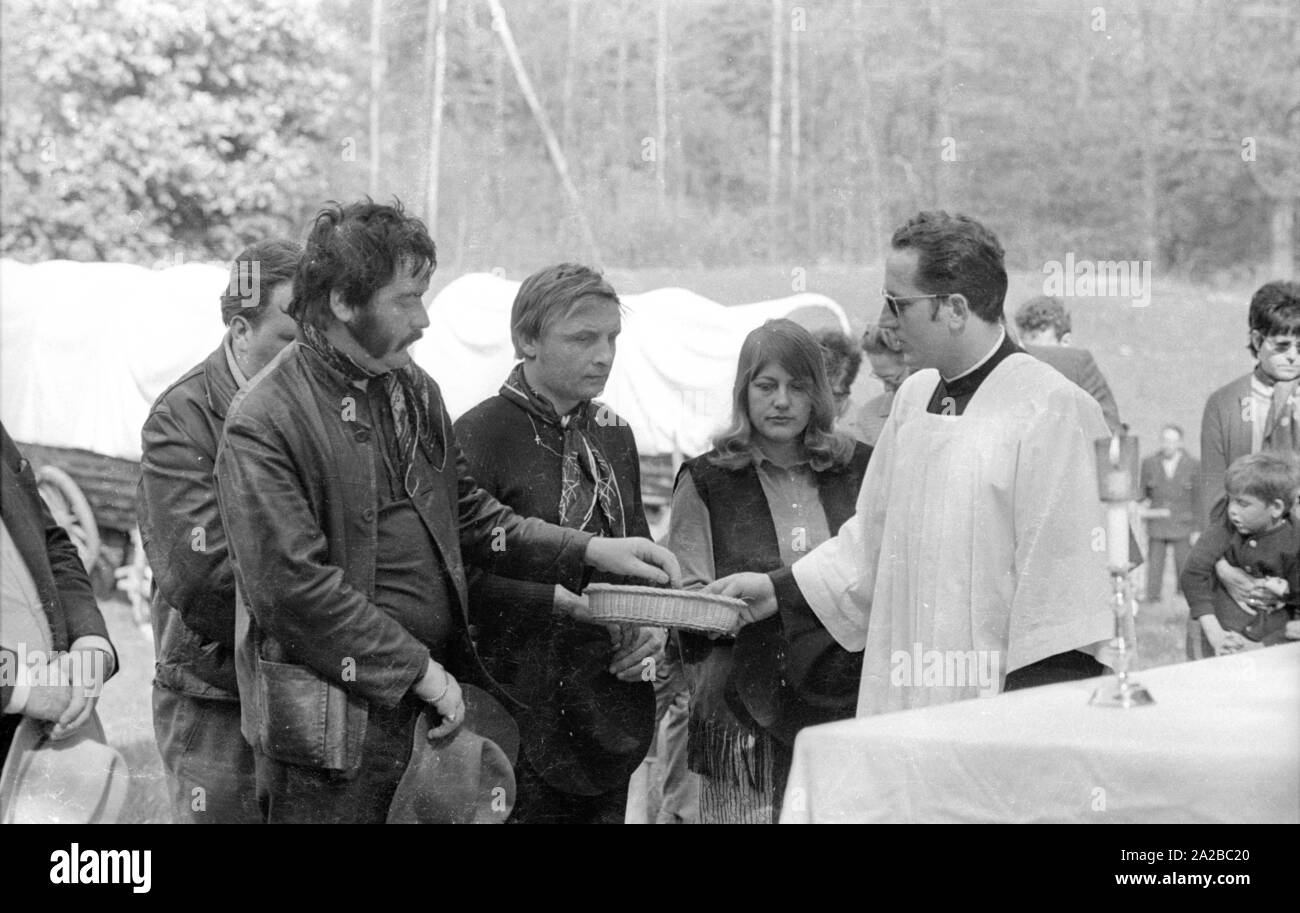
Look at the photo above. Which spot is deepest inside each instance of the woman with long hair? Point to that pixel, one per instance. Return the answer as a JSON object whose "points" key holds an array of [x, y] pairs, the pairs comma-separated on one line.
{"points": [[778, 482]]}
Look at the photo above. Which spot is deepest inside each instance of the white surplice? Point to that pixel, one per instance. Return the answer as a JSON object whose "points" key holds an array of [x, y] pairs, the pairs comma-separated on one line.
{"points": [[980, 532]]}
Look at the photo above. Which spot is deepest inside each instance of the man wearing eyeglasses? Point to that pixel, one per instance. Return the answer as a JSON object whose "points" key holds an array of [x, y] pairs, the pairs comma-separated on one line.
{"points": [[1255, 412], [976, 526]]}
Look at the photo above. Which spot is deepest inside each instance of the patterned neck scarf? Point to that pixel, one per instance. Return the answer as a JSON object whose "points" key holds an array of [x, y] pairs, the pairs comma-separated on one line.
{"points": [[589, 495], [1280, 431], [410, 396]]}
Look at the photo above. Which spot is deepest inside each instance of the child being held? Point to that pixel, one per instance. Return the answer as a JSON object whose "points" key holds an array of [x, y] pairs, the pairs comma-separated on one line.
{"points": [[1257, 538]]}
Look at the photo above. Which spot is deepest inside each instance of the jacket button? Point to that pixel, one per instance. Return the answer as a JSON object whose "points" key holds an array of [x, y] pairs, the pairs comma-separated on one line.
{"points": [[362, 436], [368, 514]]}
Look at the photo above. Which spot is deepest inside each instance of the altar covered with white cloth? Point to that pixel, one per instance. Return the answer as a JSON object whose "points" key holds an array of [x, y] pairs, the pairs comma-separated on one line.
{"points": [[1220, 745]]}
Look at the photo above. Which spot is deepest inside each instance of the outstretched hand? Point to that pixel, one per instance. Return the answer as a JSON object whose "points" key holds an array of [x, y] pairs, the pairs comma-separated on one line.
{"points": [[635, 557], [756, 589]]}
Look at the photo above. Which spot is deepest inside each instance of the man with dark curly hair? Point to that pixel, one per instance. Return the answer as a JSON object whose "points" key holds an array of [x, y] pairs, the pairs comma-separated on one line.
{"points": [[351, 516]]}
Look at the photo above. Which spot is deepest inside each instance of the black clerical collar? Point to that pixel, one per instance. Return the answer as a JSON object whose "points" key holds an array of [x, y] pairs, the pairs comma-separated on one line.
{"points": [[950, 397]]}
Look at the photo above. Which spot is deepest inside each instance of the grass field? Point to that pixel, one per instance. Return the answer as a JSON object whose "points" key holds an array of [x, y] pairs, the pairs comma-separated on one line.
{"points": [[1162, 361]]}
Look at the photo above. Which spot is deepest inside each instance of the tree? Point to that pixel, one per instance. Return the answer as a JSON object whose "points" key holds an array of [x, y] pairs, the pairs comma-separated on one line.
{"points": [[374, 147], [139, 131], [774, 113], [1234, 131], [543, 124], [661, 101], [436, 39]]}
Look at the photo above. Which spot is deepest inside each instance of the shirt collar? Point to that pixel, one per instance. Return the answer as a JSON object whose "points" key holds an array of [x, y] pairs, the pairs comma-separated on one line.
{"points": [[1002, 335], [241, 380], [1258, 387], [760, 458]]}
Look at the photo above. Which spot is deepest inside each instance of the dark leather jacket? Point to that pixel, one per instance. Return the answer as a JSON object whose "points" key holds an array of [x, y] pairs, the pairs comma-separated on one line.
{"points": [[297, 485], [194, 584]]}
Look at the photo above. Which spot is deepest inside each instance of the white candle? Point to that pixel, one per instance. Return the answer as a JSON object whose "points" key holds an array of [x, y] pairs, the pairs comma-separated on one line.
{"points": [[1117, 536]]}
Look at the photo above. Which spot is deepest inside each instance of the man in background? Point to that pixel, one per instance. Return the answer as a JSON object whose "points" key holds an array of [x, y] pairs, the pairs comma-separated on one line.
{"points": [[1169, 486], [1044, 327], [843, 360], [209, 766], [888, 367], [1257, 411]]}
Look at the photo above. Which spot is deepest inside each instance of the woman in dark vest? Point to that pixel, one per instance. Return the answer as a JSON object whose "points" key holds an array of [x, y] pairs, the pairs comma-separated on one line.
{"points": [[777, 483]]}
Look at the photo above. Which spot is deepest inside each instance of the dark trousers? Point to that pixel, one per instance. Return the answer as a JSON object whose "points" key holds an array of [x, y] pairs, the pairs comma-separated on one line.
{"points": [[291, 794], [209, 766], [8, 726], [537, 802], [1069, 666], [1156, 549]]}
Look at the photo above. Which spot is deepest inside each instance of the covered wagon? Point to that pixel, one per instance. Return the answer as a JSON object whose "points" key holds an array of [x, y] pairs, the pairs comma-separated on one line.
{"points": [[87, 347]]}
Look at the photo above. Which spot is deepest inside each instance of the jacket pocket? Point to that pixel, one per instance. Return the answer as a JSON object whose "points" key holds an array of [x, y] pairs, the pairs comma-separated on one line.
{"points": [[306, 720]]}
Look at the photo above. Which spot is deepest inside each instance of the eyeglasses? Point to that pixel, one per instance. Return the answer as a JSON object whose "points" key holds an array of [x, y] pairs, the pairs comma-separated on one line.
{"points": [[1280, 345], [897, 303]]}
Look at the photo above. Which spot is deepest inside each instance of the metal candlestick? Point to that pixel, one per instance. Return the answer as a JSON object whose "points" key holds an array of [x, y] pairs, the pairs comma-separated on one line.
{"points": [[1117, 478], [1122, 691]]}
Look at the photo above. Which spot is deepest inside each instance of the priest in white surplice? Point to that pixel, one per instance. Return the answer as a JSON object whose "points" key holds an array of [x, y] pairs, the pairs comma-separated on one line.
{"points": [[976, 560]]}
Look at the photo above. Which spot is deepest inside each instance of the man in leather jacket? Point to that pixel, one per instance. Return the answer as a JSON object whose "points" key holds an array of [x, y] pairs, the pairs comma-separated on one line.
{"points": [[209, 766], [350, 515]]}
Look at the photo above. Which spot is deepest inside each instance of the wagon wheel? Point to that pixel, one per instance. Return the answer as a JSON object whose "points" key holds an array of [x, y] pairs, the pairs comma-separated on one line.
{"points": [[71, 510], [135, 579]]}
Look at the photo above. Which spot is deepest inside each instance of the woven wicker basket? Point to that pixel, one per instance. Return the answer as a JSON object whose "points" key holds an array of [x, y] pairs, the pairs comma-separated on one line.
{"points": [[644, 605]]}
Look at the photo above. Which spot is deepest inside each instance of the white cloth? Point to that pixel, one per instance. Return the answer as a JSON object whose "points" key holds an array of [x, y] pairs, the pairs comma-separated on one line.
{"points": [[1220, 745], [980, 532]]}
